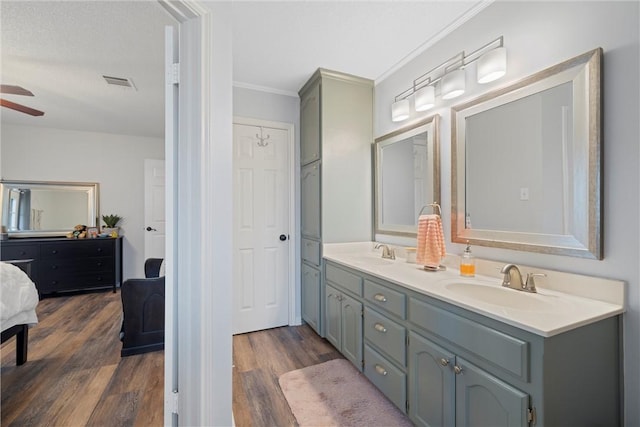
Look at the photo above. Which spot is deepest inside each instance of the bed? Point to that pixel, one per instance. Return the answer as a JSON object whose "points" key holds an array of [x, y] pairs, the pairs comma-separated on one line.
{"points": [[18, 301]]}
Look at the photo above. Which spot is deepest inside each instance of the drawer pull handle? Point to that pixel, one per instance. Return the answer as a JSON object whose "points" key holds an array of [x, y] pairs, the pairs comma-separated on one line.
{"points": [[380, 370], [54, 267], [444, 362], [380, 328], [457, 369], [54, 251], [23, 253], [380, 297]]}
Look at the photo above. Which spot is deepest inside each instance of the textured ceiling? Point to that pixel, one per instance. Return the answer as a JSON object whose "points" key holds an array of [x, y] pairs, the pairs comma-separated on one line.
{"points": [[59, 50]]}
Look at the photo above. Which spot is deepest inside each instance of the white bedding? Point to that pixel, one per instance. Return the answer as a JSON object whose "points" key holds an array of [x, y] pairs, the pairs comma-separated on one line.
{"points": [[18, 297]]}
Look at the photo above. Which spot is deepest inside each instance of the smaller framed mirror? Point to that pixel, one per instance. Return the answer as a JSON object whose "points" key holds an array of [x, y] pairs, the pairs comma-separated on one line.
{"points": [[47, 209], [407, 176]]}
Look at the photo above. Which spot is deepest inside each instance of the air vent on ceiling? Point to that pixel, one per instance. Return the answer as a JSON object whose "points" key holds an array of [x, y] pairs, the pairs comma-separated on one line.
{"points": [[119, 81]]}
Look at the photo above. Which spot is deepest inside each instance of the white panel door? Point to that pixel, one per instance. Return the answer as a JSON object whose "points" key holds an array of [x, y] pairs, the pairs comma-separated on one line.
{"points": [[261, 228], [154, 208]]}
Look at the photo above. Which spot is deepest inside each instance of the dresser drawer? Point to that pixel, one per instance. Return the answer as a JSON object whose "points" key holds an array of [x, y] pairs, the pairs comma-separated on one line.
{"points": [[77, 249], [504, 351], [53, 283], [385, 334], [310, 251], [391, 381], [383, 297], [344, 279], [68, 267], [10, 252]]}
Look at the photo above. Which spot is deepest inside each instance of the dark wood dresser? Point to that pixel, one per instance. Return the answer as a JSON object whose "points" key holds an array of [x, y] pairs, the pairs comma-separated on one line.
{"points": [[61, 264]]}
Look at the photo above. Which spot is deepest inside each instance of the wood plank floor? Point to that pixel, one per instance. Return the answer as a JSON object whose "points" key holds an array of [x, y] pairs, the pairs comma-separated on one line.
{"points": [[259, 359], [74, 374]]}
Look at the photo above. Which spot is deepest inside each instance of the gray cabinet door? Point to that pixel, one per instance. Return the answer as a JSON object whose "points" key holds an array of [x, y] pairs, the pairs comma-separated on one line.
{"points": [[310, 126], [484, 400], [352, 330], [333, 317], [311, 296], [431, 383], [310, 200]]}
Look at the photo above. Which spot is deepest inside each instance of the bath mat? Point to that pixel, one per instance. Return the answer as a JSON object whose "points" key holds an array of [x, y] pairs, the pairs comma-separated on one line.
{"points": [[334, 393]]}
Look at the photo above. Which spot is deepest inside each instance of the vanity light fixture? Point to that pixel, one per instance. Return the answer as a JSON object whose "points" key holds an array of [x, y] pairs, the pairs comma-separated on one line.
{"points": [[453, 84], [492, 64], [425, 98], [400, 110]]}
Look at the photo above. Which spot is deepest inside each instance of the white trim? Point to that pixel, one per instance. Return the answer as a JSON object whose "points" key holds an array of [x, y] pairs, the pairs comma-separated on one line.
{"points": [[267, 89], [170, 158], [473, 11], [293, 241]]}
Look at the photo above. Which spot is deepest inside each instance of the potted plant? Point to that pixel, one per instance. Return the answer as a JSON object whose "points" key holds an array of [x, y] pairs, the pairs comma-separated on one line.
{"points": [[111, 225]]}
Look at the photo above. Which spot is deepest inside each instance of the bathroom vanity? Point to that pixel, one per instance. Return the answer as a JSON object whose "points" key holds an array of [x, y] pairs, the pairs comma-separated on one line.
{"points": [[451, 351]]}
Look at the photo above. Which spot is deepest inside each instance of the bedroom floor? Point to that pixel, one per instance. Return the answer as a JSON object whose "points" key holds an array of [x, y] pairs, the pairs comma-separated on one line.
{"points": [[74, 374]]}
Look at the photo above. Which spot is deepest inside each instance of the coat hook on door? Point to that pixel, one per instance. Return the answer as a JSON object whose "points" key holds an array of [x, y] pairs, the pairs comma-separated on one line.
{"points": [[262, 142]]}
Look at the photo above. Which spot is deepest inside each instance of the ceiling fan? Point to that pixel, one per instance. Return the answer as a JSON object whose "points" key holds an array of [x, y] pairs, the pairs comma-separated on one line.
{"points": [[17, 90]]}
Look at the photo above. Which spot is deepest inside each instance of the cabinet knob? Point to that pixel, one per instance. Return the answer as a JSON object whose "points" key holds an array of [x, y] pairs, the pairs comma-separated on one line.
{"points": [[99, 264], [54, 267], [380, 298], [340, 297], [99, 249], [23, 253], [444, 362], [380, 328], [380, 370], [457, 369], [54, 251]]}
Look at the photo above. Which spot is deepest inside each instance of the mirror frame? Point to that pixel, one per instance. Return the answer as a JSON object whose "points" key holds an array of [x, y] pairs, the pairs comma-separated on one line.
{"points": [[93, 206], [591, 64], [395, 136]]}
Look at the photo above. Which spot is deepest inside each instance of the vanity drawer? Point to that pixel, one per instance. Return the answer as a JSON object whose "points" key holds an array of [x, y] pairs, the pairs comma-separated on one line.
{"points": [[311, 251], [391, 381], [344, 279], [385, 334], [383, 297], [504, 351]]}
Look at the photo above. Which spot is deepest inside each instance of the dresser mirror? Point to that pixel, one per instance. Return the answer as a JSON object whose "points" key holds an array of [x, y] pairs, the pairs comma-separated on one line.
{"points": [[407, 176], [526, 163], [43, 209]]}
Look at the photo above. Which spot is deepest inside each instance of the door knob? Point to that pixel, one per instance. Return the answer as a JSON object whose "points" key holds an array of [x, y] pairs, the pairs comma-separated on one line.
{"points": [[283, 237], [151, 229]]}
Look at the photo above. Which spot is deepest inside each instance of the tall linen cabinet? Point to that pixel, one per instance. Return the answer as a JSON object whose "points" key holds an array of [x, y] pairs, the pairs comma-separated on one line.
{"points": [[336, 133]]}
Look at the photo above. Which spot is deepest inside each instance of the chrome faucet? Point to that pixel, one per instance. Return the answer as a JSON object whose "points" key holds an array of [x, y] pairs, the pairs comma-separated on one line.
{"points": [[387, 252], [513, 279]]}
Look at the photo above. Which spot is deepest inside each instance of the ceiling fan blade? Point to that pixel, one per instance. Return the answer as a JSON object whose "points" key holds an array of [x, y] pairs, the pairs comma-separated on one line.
{"points": [[21, 108], [15, 90]]}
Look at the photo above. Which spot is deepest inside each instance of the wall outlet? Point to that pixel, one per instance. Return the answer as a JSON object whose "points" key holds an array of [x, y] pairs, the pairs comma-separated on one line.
{"points": [[524, 193]]}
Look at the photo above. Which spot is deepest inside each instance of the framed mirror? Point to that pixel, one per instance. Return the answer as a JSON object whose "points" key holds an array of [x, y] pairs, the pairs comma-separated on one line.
{"points": [[526, 163], [47, 209], [407, 176]]}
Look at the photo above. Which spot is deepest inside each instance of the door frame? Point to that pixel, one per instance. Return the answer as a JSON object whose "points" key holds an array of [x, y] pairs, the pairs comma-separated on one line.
{"points": [[198, 369], [293, 243]]}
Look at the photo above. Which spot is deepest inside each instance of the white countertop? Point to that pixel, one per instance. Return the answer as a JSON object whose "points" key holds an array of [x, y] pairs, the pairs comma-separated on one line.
{"points": [[548, 312]]}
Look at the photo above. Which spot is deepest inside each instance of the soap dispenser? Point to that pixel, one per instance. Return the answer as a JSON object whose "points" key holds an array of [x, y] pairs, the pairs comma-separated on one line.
{"points": [[467, 263]]}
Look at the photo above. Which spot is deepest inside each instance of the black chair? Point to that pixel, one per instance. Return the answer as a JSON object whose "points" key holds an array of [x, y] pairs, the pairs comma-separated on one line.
{"points": [[143, 311]]}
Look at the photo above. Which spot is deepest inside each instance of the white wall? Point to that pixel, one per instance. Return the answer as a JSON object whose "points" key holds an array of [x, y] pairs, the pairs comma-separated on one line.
{"points": [[538, 35], [116, 162]]}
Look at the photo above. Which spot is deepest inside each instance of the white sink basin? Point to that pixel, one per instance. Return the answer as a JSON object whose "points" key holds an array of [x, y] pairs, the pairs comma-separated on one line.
{"points": [[368, 260], [503, 297]]}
